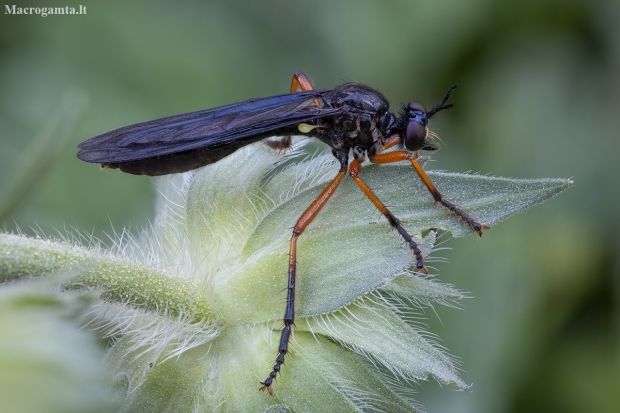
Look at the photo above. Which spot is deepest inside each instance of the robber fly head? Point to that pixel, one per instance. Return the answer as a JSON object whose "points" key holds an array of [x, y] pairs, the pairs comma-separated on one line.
{"points": [[414, 124]]}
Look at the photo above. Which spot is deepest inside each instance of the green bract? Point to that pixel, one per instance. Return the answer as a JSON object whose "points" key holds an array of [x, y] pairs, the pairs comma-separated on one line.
{"points": [[195, 305]]}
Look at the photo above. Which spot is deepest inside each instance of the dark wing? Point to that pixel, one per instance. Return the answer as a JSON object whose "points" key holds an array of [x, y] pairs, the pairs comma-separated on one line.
{"points": [[214, 129]]}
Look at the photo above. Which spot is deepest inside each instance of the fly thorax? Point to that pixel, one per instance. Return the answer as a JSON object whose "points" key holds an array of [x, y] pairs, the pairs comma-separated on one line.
{"points": [[357, 129]]}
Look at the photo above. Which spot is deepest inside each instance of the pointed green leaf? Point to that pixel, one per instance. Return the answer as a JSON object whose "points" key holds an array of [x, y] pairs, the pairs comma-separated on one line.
{"points": [[416, 287], [345, 370], [400, 347]]}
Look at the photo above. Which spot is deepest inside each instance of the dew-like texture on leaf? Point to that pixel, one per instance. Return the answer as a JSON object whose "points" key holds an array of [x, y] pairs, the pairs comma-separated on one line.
{"points": [[491, 199]]}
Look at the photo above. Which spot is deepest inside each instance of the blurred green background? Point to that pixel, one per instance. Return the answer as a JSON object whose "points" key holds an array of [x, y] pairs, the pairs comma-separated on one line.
{"points": [[538, 96]]}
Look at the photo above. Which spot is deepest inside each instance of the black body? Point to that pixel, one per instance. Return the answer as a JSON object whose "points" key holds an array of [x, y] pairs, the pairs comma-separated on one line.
{"points": [[351, 116]]}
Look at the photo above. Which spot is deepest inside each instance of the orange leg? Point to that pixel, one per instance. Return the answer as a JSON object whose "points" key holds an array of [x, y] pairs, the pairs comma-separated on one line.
{"points": [[300, 81], [391, 141], [354, 170], [303, 83], [407, 156], [289, 316], [394, 140]]}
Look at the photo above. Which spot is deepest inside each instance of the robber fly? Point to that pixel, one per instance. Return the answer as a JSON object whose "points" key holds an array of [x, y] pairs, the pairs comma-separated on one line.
{"points": [[351, 119]]}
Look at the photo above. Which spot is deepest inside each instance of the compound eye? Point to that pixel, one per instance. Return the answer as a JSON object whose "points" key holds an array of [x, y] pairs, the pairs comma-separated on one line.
{"points": [[415, 135], [416, 106]]}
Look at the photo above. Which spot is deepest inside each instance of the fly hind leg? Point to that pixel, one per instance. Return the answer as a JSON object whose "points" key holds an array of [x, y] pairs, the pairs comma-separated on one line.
{"points": [[300, 81], [289, 315]]}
